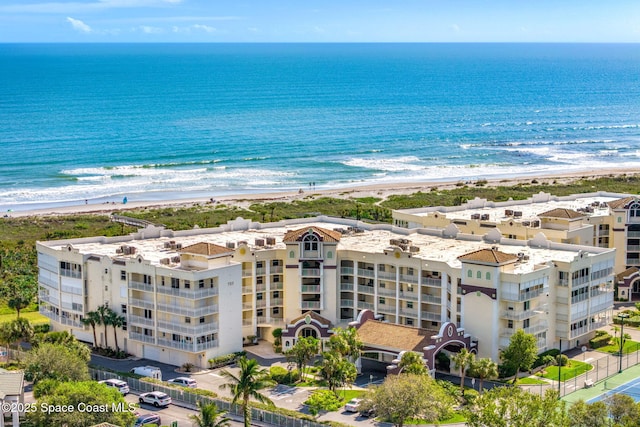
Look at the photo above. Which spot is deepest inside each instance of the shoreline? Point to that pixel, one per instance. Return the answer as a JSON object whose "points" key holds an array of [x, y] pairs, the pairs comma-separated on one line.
{"points": [[382, 191]]}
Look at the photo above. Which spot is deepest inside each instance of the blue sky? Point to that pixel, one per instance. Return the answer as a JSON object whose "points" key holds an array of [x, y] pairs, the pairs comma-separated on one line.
{"points": [[320, 21]]}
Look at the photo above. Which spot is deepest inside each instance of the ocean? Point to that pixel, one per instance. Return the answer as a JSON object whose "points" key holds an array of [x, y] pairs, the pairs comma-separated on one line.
{"points": [[100, 122]]}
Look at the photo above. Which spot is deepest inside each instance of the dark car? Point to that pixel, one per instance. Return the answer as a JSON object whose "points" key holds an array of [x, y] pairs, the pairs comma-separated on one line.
{"points": [[147, 419], [368, 413]]}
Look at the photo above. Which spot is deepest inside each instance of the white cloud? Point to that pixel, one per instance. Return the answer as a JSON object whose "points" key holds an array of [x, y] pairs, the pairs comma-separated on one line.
{"points": [[205, 28], [79, 26], [147, 29]]}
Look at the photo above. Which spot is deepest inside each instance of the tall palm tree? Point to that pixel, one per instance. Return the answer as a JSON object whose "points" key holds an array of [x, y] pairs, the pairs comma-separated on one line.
{"points": [[92, 318], [210, 416], [117, 321], [484, 369], [103, 315], [462, 361], [246, 385]]}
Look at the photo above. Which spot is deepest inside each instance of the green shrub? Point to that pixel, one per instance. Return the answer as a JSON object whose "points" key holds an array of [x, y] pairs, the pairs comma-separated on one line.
{"points": [[543, 360], [283, 376], [227, 359], [323, 400], [600, 340]]}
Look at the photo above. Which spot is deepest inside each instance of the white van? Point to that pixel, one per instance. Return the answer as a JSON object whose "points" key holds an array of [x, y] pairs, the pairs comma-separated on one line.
{"points": [[148, 371]]}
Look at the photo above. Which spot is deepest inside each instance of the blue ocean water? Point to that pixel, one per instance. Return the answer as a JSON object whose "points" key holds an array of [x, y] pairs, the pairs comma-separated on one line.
{"points": [[165, 121]]}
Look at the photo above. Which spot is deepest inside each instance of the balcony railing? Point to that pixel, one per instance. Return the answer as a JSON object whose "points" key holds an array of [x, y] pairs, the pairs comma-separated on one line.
{"points": [[518, 314], [188, 293], [260, 287], [196, 329], [428, 315], [409, 278], [276, 301], [247, 305], [365, 289], [346, 286], [261, 271], [347, 271], [347, 303], [431, 282], [409, 295], [311, 272], [276, 286], [310, 305], [70, 322], [141, 303], [432, 299], [311, 289], [189, 311], [141, 337], [247, 289], [384, 308], [247, 273], [387, 275], [139, 320], [273, 321], [387, 292], [261, 303], [276, 269], [247, 322], [409, 312], [366, 273], [363, 305]]}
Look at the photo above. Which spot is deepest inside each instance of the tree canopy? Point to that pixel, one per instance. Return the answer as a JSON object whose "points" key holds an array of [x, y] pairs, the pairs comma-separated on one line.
{"points": [[521, 352], [55, 361]]}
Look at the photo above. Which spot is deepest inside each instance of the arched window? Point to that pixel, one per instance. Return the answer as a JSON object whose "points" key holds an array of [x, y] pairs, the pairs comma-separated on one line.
{"points": [[329, 255], [469, 273], [479, 274], [634, 210], [488, 276], [619, 219], [292, 254], [310, 242]]}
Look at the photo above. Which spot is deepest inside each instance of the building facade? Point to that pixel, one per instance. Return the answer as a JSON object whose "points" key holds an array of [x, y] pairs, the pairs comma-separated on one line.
{"points": [[192, 295]]}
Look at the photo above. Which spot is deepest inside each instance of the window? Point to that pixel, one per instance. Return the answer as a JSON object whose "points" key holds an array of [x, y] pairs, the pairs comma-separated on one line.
{"points": [[123, 275], [525, 323], [201, 283], [509, 324], [124, 325], [469, 273], [202, 319], [175, 283], [488, 276], [275, 310], [276, 294], [410, 322], [260, 313], [409, 305], [310, 242], [292, 254], [187, 284], [123, 308], [329, 255], [382, 300], [148, 314], [276, 279], [259, 296], [187, 320], [479, 274], [527, 305]]}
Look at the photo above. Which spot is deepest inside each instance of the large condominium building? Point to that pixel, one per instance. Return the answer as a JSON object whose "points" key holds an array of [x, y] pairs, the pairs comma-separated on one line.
{"points": [[606, 220], [192, 295]]}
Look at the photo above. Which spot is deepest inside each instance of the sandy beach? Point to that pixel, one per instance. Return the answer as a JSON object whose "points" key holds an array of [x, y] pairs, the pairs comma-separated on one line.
{"points": [[381, 191]]}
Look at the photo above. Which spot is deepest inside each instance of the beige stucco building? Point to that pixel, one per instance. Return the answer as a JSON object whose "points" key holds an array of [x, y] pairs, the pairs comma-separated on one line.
{"points": [[195, 294]]}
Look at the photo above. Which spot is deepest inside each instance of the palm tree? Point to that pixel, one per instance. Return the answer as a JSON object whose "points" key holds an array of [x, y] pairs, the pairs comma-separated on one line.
{"points": [[92, 318], [484, 369], [103, 315], [117, 321], [462, 360], [210, 416], [247, 384]]}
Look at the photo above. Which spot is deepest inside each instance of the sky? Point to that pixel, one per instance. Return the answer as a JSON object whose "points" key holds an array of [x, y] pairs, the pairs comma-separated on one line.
{"points": [[224, 21]]}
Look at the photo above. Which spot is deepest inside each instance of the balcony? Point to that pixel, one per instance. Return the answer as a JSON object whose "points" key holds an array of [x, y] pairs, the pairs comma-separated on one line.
{"points": [[247, 322], [346, 286], [408, 312], [366, 289], [206, 345], [347, 271], [310, 272], [270, 321], [387, 292], [261, 271], [180, 345], [384, 275], [310, 255], [579, 331], [428, 315], [522, 295], [409, 278], [366, 273], [310, 305], [428, 281], [247, 305], [276, 286], [363, 305], [413, 296], [310, 289], [70, 322], [261, 303], [247, 273], [276, 302], [431, 299], [141, 303], [188, 293], [51, 315], [276, 269], [384, 308], [189, 311], [140, 286], [188, 329], [261, 287], [141, 337], [247, 289], [519, 315], [139, 320], [346, 303]]}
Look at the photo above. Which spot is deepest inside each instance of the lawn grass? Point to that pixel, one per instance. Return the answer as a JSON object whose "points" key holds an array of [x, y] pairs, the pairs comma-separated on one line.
{"points": [[456, 418], [629, 347], [529, 380], [346, 395], [5, 309], [572, 369], [34, 318]]}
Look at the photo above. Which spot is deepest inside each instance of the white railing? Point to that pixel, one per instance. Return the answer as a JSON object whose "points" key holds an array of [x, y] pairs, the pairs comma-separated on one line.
{"points": [[408, 312], [347, 303], [386, 275], [346, 286], [365, 289], [384, 308], [428, 315], [71, 322], [247, 289], [407, 278], [365, 305], [71, 290], [431, 299], [261, 303], [141, 337], [314, 289], [311, 272], [189, 311], [366, 273], [261, 287], [247, 305], [261, 271], [198, 328], [139, 320], [141, 303], [276, 301], [188, 293], [428, 281], [140, 286], [409, 295], [273, 321], [313, 305], [387, 292], [347, 271], [276, 286], [276, 269]]}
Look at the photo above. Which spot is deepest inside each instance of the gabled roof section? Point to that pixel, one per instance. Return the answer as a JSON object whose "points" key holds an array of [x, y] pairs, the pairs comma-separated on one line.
{"points": [[561, 213], [622, 203], [324, 234], [627, 273], [315, 316], [488, 256], [11, 383], [397, 337], [208, 249]]}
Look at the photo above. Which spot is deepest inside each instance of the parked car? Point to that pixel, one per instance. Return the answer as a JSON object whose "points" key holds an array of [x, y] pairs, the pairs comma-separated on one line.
{"points": [[368, 413], [148, 371], [184, 382], [352, 405], [155, 398], [120, 385], [146, 419]]}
